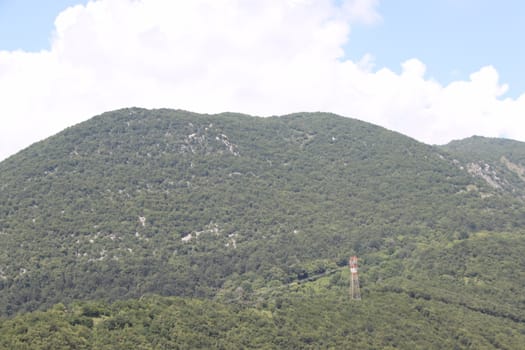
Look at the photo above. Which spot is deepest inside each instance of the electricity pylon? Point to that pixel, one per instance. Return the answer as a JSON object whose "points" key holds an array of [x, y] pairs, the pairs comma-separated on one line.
{"points": [[355, 293]]}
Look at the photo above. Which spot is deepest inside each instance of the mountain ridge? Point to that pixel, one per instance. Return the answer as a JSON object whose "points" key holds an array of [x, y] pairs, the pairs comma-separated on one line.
{"points": [[137, 202]]}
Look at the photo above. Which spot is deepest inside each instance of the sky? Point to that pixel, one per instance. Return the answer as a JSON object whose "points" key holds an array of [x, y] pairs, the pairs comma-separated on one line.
{"points": [[434, 70]]}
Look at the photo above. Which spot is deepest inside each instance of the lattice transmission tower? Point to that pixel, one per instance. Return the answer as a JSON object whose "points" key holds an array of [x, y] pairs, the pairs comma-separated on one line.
{"points": [[355, 293]]}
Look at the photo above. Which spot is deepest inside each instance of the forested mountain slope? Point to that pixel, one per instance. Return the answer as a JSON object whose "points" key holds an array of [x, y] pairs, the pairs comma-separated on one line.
{"points": [[499, 162], [170, 202], [465, 294]]}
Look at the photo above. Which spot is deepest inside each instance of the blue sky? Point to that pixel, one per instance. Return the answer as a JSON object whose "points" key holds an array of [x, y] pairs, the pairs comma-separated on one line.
{"points": [[29, 24], [434, 70], [452, 37]]}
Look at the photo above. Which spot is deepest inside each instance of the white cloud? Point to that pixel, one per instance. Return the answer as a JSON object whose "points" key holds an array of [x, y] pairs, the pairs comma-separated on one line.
{"points": [[258, 57], [361, 11]]}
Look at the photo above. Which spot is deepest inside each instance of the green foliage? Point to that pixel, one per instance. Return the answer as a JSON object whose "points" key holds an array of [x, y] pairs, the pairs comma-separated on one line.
{"points": [[261, 214], [501, 161], [397, 312]]}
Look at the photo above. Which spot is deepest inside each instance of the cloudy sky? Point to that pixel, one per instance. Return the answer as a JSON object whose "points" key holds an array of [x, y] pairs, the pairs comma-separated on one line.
{"points": [[435, 70]]}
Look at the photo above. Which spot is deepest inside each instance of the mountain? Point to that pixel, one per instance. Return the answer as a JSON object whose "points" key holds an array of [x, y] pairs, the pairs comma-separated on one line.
{"points": [[499, 162], [261, 213]]}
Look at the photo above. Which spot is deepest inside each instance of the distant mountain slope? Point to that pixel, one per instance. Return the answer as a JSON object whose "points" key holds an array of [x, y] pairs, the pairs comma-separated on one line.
{"points": [[499, 162], [171, 202]]}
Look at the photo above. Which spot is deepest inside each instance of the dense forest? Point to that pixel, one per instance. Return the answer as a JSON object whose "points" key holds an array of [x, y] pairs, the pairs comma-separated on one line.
{"points": [[170, 229]]}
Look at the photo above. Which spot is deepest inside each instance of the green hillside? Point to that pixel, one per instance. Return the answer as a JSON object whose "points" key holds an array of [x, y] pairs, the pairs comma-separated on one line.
{"points": [[407, 309], [500, 162], [254, 219]]}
